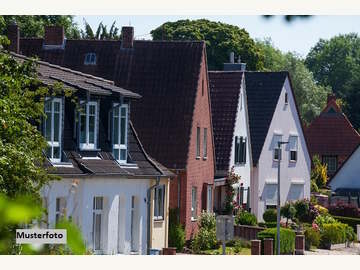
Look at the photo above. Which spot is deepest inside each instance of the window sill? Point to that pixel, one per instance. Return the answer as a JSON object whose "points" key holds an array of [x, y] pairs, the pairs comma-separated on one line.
{"points": [[240, 164], [198, 158], [193, 219], [204, 158], [292, 161], [159, 219]]}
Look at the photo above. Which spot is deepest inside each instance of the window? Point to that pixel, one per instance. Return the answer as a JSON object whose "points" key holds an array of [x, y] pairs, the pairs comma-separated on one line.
{"points": [[241, 100], [193, 203], [120, 127], [209, 202], [293, 146], [60, 209], [202, 87], [97, 219], [159, 195], [205, 143], [286, 98], [88, 125], [197, 142], [90, 59], [277, 152], [331, 162], [52, 128], [240, 150]]}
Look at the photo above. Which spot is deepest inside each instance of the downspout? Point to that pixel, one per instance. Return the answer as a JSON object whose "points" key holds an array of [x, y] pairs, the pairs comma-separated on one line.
{"points": [[148, 201]]}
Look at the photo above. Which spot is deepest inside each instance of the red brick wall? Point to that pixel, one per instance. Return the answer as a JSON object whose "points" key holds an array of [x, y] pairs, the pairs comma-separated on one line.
{"points": [[54, 35], [199, 171]]}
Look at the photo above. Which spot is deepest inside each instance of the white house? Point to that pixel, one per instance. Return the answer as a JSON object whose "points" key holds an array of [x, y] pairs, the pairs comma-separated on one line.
{"points": [[251, 111], [109, 186]]}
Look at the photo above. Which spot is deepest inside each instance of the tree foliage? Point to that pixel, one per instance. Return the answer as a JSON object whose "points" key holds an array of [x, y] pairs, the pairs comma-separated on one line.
{"points": [[33, 26], [319, 172], [101, 33], [220, 38], [310, 96]]}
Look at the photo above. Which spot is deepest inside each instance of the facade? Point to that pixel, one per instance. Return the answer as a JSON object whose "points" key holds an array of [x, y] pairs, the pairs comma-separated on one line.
{"points": [[346, 181], [331, 136], [108, 183], [268, 114], [173, 119]]}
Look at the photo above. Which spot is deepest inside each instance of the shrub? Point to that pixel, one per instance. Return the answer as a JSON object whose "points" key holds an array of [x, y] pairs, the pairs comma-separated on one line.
{"points": [[271, 224], [305, 211], [349, 233], [206, 236], [319, 173], [287, 239], [245, 218], [314, 187], [312, 237], [288, 211], [352, 222], [344, 209], [324, 219], [176, 231], [322, 210], [270, 215], [333, 233]]}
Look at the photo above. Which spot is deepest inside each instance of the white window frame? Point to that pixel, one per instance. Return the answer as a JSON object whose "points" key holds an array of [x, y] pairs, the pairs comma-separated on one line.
{"points": [[276, 148], [295, 149], [205, 143], [52, 143], [98, 210], [194, 203], [87, 145], [240, 156], [120, 146], [198, 131], [90, 59], [209, 198], [159, 205]]}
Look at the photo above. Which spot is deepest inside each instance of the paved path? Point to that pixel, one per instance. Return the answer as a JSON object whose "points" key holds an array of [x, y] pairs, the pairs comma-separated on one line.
{"points": [[354, 249]]}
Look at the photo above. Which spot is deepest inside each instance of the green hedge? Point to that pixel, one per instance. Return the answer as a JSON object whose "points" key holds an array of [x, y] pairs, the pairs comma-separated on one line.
{"points": [[287, 239], [245, 218], [352, 222], [270, 215], [271, 224]]}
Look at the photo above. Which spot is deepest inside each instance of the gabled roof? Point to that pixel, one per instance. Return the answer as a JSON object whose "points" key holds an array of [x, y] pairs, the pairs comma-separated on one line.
{"points": [[49, 74], [164, 73], [224, 92], [331, 133], [262, 90]]}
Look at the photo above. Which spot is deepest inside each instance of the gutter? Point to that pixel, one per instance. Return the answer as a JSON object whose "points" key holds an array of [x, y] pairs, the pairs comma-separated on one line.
{"points": [[148, 201]]}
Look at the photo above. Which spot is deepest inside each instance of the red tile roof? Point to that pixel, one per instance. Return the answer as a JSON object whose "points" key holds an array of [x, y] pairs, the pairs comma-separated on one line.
{"points": [[331, 133]]}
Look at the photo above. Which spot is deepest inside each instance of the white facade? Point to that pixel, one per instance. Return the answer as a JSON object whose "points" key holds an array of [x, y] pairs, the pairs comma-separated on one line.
{"points": [[348, 175], [295, 175], [123, 214], [241, 129]]}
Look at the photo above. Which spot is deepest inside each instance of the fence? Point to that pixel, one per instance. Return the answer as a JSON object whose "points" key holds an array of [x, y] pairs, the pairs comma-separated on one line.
{"points": [[247, 232]]}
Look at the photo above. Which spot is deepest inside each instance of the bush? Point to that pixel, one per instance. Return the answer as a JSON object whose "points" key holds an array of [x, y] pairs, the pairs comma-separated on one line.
{"points": [[344, 209], [176, 231], [245, 218], [324, 219], [314, 187], [319, 173], [288, 211], [322, 210], [352, 222], [270, 215], [271, 224], [305, 211], [332, 234], [287, 239], [349, 233], [312, 237], [206, 236]]}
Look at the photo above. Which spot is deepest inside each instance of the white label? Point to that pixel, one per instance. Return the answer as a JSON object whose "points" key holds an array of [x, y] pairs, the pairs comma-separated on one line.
{"points": [[41, 236]]}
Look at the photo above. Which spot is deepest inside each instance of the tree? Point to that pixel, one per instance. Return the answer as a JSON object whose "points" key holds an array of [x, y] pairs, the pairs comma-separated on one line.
{"points": [[288, 211], [220, 38], [101, 33], [310, 96], [33, 26], [319, 172], [335, 63]]}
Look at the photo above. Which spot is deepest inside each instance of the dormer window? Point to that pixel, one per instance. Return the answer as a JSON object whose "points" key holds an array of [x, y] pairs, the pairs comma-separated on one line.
{"points": [[52, 128], [120, 125], [90, 59], [88, 125]]}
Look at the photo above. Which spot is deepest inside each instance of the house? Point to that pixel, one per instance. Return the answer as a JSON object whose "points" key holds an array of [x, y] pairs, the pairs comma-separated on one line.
{"points": [[331, 136], [252, 111], [109, 186], [346, 180], [173, 119]]}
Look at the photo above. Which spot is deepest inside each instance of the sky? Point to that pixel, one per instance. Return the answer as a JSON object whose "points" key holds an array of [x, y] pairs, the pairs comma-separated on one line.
{"points": [[298, 36]]}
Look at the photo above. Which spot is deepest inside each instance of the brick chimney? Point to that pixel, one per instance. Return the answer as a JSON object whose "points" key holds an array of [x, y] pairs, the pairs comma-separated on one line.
{"points": [[127, 33], [13, 35], [54, 35], [331, 97]]}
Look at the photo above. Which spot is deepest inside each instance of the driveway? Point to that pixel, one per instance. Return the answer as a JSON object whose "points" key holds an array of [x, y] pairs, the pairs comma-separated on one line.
{"points": [[354, 249]]}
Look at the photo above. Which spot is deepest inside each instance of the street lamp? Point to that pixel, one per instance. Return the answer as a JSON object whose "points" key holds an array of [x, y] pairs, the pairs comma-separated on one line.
{"points": [[278, 198]]}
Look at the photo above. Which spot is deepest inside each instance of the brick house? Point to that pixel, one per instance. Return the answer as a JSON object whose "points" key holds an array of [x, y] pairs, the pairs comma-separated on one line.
{"points": [[173, 118], [331, 136]]}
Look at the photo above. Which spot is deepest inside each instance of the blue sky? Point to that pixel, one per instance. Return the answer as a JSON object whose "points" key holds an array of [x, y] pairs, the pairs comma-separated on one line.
{"points": [[299, 35]]}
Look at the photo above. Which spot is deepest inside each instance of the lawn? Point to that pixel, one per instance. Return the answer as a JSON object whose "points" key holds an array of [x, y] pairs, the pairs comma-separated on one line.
{"points": [[229, 251]]}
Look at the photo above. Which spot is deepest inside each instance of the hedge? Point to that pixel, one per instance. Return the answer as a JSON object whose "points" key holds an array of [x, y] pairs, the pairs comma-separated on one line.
{"points": [[352, 222], [287, 239]]}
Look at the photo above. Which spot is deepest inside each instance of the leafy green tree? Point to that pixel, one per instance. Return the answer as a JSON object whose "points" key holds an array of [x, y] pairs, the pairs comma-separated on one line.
{"points": [[310, 96], [101, 32], [33, 26], [288, 211], [220, 38]]}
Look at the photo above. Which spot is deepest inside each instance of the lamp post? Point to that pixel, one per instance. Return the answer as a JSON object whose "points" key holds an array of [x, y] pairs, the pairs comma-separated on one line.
{"points": [[278, 199]]}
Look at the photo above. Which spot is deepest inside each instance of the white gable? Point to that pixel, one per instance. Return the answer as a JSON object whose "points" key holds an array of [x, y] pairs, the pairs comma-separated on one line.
{"points": [[349, 174]]}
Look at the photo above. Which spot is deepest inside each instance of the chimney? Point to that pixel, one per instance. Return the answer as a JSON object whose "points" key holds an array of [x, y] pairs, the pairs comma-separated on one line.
{"points": [[13, 35], [232, 57], [331, 97], [127, 33], [54, 35]]}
